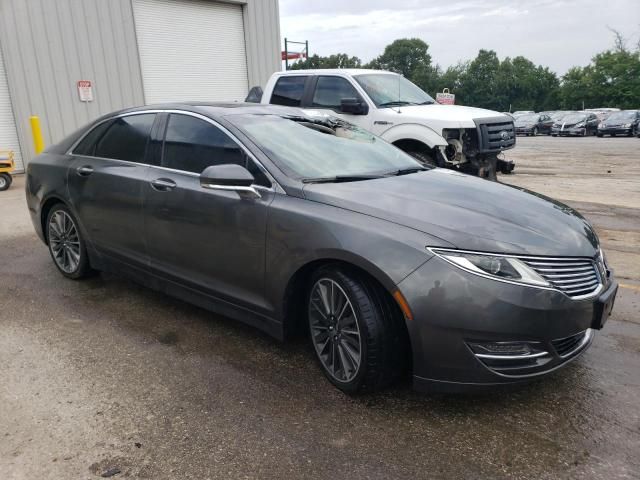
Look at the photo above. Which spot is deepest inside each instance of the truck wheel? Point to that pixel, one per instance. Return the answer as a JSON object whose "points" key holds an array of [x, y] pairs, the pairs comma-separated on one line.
{"points": [[424, 158], [5, 181]]}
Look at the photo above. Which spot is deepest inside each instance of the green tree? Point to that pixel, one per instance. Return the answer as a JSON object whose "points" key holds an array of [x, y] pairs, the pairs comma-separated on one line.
{"points": [[479, 82], [339, 60], [406, 56]]}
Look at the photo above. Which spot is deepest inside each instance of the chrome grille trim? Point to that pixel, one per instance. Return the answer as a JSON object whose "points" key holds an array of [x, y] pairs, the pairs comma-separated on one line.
{"points": [[576, 277]]}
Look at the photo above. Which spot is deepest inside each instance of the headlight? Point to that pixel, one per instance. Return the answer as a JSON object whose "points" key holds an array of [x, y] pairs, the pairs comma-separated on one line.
{"points": [[488, 265], [601, 126], [626, 125], [580, 125]]}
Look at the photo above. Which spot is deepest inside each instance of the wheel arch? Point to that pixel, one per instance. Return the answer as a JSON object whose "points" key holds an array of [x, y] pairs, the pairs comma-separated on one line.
{"points": [[414, 131], [46, 207], [294, 298]]}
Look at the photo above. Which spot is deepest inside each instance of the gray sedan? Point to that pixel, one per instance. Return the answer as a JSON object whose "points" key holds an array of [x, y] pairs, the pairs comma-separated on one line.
{"points": [[295, 222]]}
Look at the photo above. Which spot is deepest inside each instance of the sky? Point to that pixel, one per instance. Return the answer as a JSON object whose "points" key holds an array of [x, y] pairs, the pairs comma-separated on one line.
{"points": [[554, 33]]}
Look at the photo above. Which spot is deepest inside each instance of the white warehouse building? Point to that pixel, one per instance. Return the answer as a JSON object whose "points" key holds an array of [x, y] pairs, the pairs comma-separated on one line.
{"points": [[70, 61]]}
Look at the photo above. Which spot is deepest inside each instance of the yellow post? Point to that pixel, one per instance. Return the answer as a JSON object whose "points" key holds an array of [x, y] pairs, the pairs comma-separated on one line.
{"points": [[38, 141]]}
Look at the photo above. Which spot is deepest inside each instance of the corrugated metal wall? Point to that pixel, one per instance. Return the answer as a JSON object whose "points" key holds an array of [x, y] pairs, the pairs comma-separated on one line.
{"points": [[49, 45], [262, 40]]}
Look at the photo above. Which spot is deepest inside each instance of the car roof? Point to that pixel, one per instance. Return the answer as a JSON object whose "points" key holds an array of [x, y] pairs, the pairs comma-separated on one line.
{"points": [[214, 108], [334, 71]]}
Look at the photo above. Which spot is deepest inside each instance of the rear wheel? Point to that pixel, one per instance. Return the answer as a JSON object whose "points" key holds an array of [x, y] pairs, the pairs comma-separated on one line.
{"points": [[66, 245], [5, 181], [354, 330]]}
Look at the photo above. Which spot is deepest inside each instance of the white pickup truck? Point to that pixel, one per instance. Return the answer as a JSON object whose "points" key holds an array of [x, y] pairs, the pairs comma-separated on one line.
{"points": [[387, 104]]}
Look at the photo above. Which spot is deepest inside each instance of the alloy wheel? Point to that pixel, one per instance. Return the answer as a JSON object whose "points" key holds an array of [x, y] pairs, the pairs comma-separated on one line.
{"points": [[3, 182], [334, 330], [64, 241]]}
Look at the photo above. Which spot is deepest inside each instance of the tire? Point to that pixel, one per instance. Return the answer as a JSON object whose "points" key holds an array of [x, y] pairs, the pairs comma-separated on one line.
{"points": [[535, 131], [612, 134], [554, 134], [66, 245], [424, 158], [369, 312], [600, 135], [5, 181]]}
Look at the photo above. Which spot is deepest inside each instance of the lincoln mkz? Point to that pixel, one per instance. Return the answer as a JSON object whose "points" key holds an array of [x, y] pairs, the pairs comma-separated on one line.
{"points": [[297, 222]]}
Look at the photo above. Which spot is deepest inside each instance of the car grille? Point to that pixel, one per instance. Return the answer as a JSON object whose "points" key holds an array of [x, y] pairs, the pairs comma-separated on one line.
{"points": [[495, 134], [577, 277], [567, 346]]}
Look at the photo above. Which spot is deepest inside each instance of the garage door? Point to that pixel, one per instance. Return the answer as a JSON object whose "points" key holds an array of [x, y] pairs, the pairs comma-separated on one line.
{"points": [[191, 50], [8, 134]]}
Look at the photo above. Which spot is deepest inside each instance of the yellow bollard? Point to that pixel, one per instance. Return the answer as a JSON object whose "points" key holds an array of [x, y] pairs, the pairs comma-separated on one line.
{"points": [[38, 141]]}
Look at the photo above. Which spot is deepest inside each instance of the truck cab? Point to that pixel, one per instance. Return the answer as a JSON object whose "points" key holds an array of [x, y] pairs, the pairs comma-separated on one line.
{"points": [[390, 106]]}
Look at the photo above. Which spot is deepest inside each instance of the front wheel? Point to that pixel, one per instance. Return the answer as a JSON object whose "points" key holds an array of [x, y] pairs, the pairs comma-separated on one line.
{"points": [[354, 330], [5, 181], [66, 245]]}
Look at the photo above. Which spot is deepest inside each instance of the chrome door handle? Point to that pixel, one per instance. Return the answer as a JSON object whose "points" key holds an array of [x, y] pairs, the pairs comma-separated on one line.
{"points": [[84, 171], [163, 184]]}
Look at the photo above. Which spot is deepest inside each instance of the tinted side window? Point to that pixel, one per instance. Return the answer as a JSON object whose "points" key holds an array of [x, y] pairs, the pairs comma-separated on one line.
{"points": [[331, 90], [191, 144], [88, 144], [288, 91], [126, 138]]}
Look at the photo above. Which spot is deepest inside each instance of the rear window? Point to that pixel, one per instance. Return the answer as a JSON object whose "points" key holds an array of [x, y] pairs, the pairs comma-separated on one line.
{"points": [[126, 138], [88, 144], [288, 91]]}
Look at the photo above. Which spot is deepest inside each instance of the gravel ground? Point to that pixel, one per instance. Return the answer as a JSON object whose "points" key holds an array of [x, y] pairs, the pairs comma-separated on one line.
{"points": [[102, 376]]}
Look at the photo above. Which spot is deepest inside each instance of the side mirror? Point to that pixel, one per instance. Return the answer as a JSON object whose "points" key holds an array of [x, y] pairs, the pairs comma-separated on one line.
{"points": [[229, 177], [354, 106]]}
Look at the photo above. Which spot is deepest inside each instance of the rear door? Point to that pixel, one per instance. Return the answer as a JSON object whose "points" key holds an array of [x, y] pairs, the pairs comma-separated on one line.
{"points": [[210, 240], [106, 177]]}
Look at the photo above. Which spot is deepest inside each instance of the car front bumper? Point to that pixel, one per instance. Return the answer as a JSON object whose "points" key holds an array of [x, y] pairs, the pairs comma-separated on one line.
{"points": [[616, 131], [524, 130], [455, 311], [568, 131]]}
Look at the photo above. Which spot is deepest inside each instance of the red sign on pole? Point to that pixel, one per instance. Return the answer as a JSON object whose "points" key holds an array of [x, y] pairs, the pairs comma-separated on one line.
{"points": [[85, 90]]}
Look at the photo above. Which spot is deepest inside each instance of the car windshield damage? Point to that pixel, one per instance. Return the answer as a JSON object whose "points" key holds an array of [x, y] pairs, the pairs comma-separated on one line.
{"points": [[387, 90], [324, 149]]}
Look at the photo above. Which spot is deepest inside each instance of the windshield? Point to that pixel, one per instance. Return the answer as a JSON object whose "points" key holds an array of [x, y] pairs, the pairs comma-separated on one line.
{"points": [[557, 116], [621, 116], [392, 90], [527, 118], [322, 148], [574, 118]]}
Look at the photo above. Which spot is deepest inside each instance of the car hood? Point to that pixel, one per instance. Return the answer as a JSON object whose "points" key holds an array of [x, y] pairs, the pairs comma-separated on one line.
{"points": [[467, 212], [454, 116]]}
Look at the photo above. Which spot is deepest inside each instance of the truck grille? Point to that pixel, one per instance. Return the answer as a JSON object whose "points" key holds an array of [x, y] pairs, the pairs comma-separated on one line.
{"points": [[577, 277], [495, 134]]}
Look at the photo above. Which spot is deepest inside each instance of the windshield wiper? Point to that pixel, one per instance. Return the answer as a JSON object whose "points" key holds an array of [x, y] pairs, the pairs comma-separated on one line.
{"points": [[406, 171], [397, 103], [341, 178]]}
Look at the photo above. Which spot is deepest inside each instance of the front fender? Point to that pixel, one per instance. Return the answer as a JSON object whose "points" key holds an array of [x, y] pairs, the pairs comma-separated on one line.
{"points": [[414, 131], [302, 231]]}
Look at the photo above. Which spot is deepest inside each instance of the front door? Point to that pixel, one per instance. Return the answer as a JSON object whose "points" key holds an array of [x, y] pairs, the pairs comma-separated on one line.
{"points": [[106, 177], [210, 240], [328, 93]]}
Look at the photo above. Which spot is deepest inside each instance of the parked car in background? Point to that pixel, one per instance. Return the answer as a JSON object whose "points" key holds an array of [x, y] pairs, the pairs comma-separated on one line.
{"points": [[533, 124], [295, 221], [625, 122], [452, 136], [522, 112], [577, 123], [602, 113]]}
